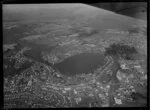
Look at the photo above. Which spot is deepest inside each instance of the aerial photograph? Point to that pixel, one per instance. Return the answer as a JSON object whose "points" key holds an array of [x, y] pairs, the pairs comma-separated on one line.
{"points": [[72, 55]]}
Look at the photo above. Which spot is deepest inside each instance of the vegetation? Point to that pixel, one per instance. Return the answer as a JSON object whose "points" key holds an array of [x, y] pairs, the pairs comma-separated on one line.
{"points": [[122, 50]]}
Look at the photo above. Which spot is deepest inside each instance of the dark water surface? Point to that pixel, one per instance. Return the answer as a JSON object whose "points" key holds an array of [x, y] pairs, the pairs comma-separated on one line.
{"points": [[83, 63], [36, 50], [16, 33]]}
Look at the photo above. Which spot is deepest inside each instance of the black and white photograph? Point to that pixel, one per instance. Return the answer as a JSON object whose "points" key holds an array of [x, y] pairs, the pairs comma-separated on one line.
{"points": [[74, 55]]}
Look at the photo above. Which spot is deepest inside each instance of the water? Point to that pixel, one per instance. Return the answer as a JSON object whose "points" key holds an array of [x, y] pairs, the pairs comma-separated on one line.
{"points": [[36, 50], [83, 63], [16, 33]]}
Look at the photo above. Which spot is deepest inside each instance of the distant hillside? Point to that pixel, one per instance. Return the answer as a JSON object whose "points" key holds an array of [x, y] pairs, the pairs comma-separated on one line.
{"points": [[64, 11]]}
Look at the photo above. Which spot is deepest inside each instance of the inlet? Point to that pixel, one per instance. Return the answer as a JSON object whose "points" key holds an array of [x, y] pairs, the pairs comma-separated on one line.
{"points": [[82, 63]]}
